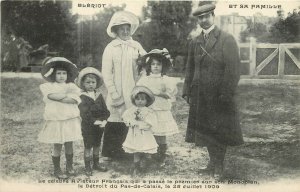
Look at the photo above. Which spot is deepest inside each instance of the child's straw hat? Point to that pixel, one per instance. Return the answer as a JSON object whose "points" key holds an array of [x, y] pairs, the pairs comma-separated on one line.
{"points": [[162, 53], [141, 89], [89, 70], [52, 62]]}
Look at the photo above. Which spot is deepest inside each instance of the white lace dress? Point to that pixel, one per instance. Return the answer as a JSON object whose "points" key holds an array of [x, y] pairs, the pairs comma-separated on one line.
{"points": [[62, 121], [140, 137]]}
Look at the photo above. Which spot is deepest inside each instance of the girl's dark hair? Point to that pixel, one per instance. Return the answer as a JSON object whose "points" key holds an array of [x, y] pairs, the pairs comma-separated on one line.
{"points": [[114, 28], [161, 59], [90, 75], [60, 66], [146, 95]]}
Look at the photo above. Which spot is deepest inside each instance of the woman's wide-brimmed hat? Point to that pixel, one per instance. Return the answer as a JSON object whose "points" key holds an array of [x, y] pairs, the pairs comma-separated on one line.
{"points": [[141, 89], [50, 63], [162, 53], [89, 70], [122, 17], [204, 9]]}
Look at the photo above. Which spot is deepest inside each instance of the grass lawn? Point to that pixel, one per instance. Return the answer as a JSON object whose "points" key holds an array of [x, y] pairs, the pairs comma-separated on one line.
{"points": [[269, 117]]}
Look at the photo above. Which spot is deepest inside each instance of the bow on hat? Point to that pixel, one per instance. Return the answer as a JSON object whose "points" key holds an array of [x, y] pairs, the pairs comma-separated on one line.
{"points": [[49, 63], [164, 53]]}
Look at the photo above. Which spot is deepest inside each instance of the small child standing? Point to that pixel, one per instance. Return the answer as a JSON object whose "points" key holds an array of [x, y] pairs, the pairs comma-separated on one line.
{"points": [[140, 120], [157, 62], [62, 118], [94, 114]]}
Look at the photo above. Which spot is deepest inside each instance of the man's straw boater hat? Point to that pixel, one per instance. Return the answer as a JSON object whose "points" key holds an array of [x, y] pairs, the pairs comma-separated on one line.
{"points": [[50, 63], [204, 8], [141, 89], [89, 70]]}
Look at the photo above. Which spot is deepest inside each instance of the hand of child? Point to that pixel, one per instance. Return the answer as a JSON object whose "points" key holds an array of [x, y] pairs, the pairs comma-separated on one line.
{"points": [[100, 123], [163, 88], [164, 95], [143, 125]]}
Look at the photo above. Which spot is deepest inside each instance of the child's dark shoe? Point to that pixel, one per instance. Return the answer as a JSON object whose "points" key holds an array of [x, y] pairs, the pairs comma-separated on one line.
{"points": [[209, 170], [69, 165], [218, 172], [144, 164], [134, 170], [70, 172], [57, 171], [59, 174], [88, 168], [161, 152], [99, 167], [88, 172]]}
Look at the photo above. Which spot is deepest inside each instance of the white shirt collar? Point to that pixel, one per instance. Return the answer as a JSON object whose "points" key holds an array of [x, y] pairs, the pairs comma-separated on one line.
{"points": [[207, 31], [90, 94]]}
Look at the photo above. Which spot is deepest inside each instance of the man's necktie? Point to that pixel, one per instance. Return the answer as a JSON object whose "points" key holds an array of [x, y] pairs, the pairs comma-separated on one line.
{"points": [[205, 37]]}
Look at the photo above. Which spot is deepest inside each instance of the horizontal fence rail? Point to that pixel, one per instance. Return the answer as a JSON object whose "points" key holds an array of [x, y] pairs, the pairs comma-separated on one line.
{"points": [[281, 52]]}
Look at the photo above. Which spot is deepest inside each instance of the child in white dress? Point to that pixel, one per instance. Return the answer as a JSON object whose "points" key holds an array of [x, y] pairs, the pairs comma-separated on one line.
{"points": [[140, 120], [61, 115], [164, 89]]}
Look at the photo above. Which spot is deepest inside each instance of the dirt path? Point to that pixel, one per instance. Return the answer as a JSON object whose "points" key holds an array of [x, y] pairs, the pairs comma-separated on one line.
{"points": [[269, 115]]}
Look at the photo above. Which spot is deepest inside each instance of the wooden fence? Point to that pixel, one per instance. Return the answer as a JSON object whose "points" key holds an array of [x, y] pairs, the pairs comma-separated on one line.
{"points": [[280, 55]]}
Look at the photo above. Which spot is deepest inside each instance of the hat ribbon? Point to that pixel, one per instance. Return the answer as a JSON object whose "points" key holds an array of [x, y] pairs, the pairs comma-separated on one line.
{"points": [[166, 53], [49, 72]]}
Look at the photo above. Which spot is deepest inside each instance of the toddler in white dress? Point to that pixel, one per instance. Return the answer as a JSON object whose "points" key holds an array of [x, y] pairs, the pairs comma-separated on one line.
{"points": [[140, 120]]}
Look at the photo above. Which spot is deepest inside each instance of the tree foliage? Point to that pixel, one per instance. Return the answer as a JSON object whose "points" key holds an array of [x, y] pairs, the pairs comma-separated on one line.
{"points": [[286, 30], [282, 31], [257, 30], [39, 22], [93, 38], [168, 26]]}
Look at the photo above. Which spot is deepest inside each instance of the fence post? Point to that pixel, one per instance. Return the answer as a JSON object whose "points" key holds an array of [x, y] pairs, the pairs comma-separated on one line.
{"points": [[252, 57], [281, 60]]}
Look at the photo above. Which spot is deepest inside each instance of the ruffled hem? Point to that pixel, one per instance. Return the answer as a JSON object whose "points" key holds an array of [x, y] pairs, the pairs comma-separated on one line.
{"points": [[166, 124], [166, 133], [61, 131], [165, 128], [133, 150]]}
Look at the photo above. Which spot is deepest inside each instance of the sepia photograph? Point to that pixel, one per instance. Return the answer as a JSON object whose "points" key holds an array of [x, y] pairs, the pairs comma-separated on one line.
{"points": [[150, 95]]}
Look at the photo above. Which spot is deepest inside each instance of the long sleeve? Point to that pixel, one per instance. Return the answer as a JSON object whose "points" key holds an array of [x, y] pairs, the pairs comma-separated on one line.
{"points": [[151, 118], [171, 89], [55, 110], [73, 92], [85, 112], [232, 65], [104, 112], [189, 70], [46, 90], [129, 117], [91, 111], [107, 71], [141, 50]]}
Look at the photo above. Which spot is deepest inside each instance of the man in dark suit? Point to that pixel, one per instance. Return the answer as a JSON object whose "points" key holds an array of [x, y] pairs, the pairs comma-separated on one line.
{"points": [[212, 75]]}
